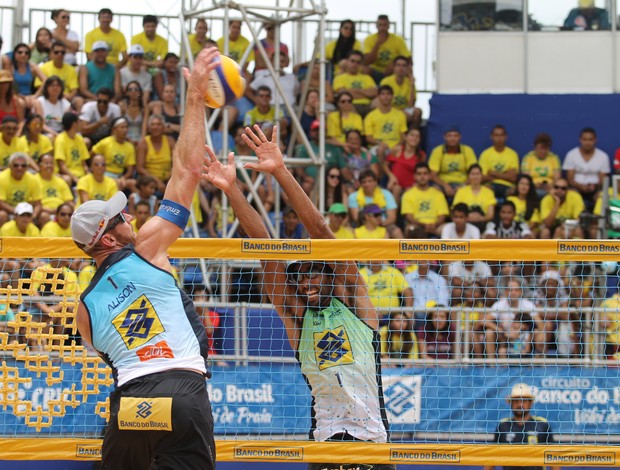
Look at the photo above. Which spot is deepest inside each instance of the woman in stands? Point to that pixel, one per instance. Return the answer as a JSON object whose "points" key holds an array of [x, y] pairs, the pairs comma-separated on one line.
{"points": [[154, 153], [41, 46], [169, 75], [399, 166], [53, 106], [24, 73], [134, 111], [343, 120], [335, 189], [398, 339], [120, 155], [437, 339], [526, 202], [10, 104], [337, 51], [67, 36], [358, 159], [198, 40], [168, 108], [480, 199], [38, 144]]}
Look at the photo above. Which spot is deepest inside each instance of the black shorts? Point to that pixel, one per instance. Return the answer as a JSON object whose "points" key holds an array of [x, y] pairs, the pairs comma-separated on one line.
{"points": [[165, 422], [346, 437]]}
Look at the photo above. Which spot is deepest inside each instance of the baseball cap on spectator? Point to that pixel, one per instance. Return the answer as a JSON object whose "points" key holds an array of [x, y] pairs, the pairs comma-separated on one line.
{"points": [[337, 208], [550, 274], [452, 128], [136, 49], [372, 209], [23, 208], [287, 210], [171, 55], [315, 124], [521, 390], [91, 219], [5, 76], [6, 119], [100, 45]]}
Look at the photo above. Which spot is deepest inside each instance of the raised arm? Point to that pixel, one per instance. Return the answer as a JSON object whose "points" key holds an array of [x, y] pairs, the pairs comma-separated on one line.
{"points": [[160, 232]]}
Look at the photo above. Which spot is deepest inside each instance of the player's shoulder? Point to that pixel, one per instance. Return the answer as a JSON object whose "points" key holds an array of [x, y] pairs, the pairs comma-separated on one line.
{"points": [[504, 420], [539, 419]]}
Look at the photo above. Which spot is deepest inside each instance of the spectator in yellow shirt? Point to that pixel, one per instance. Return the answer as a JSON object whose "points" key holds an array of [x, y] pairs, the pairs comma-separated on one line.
{"points": [[385, 126], [403, 85], [61, 226], [360, 85], [449, 162], [381, 48], [399, 341], [198, 39], [237, 44], [499, 163], [70, 151], [542, 164], [16, 186], [54, 190], [480, 199], [560, 205], [155, 47], [57, 67], [425, 207], [22, 225], [387, 287], [526, 203], [38, 144], [10, 143], [142, 214], [115, 39], [338, 50], [119, 153], [96, 185], [344, 119], [370, 223], [338, 224]]}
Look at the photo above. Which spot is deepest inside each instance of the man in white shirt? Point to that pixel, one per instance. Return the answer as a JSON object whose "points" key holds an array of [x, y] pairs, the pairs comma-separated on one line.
{"points": [[586, 166], [459, 228], [134, 72], [288, 82], [97, 116], [427, 285]]}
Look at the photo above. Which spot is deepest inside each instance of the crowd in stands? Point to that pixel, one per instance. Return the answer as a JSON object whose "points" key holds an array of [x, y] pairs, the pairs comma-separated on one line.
{"points": [[74, 132]]}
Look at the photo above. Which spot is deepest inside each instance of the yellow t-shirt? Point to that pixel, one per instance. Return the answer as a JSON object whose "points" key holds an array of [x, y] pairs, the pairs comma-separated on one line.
{"points": [[54, 192], [425, 206], [384, 287], [115, 39], [401, 92], [612, 315], [521, 207], [569, 209], [158, 163], [86, 275], [388, 51], [338, 126], [68, 287], [153, 50], [386, 127], [14, 191], [492, 160], [363, 232], [397, 344], [344, 233], [254, 116], [540, 170], [117, 156], [52, 229], [68, 74], [16, 145], [101, 191], [36, 149], [9, 229], [72, 151], [236, 49], [360, 81], [330, 48], [452, 167], [483, 200]]}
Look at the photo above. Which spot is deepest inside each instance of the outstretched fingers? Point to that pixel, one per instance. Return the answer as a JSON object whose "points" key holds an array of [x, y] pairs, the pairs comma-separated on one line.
{"points": [[254, 138]]}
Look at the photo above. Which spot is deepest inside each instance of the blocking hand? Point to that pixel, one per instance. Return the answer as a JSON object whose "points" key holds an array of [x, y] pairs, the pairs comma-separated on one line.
{"points": [[206, 61], [269, 155], [221, 176]]}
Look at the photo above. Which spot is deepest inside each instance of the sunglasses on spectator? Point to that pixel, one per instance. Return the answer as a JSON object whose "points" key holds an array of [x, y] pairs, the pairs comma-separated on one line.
{"points": [[342, 216], [561, 187], [59, 52], [65, 214], [10, 128], [119, 219], [133, 88], [376, 215], [102, 101], [334, 176]]}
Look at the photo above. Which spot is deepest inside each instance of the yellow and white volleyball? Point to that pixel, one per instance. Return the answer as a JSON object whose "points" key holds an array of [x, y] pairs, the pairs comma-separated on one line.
{"points": [[226, 84]]}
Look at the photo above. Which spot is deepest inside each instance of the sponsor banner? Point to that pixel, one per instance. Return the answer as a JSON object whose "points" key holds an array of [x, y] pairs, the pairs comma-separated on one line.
{"points": [[579, 458], [407, 455], [287, 247], [268, 452], [598, 247], [429, 247]]}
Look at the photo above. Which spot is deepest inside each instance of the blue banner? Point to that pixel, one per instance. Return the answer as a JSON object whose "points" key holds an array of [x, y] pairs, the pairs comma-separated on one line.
{"points": [[273, 399]]}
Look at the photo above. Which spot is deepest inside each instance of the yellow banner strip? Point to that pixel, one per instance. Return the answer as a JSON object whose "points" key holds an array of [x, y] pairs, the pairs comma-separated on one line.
{"points": [[332, 250], [302, 451]]}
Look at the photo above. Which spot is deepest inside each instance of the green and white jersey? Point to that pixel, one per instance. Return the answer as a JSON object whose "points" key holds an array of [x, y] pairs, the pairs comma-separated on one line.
{"points": [[339, 357]]}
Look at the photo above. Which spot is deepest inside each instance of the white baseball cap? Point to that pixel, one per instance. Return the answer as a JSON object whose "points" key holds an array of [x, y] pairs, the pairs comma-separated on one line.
{"points": [[136, 49], [100, 45], [521, 390], [23, 208], [90, 220]]}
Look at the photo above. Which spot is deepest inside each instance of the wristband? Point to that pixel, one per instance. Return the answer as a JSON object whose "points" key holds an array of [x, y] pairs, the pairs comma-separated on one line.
{"points": [[174, 212]]}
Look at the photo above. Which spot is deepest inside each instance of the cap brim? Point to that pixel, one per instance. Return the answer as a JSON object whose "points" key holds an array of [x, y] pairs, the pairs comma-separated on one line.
{"points": [[116, 204]]}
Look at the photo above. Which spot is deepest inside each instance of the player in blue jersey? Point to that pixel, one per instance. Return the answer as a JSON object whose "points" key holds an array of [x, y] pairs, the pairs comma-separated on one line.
{"points": [[329, 319], [141, 323]]}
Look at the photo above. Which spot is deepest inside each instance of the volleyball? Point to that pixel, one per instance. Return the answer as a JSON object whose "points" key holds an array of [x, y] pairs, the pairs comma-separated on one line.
{"points": [[226, 84]]}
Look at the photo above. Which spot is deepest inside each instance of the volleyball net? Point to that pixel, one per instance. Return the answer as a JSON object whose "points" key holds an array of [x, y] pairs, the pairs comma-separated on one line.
{"points": [[460, 324]]}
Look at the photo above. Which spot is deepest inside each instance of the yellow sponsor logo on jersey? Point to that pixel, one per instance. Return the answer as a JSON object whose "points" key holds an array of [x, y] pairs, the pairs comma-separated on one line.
{"points": [[138, 323], [332, 348]]}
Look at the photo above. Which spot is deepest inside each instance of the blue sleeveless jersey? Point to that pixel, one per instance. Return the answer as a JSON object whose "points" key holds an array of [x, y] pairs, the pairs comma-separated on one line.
{"points": [[141, 322]]}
